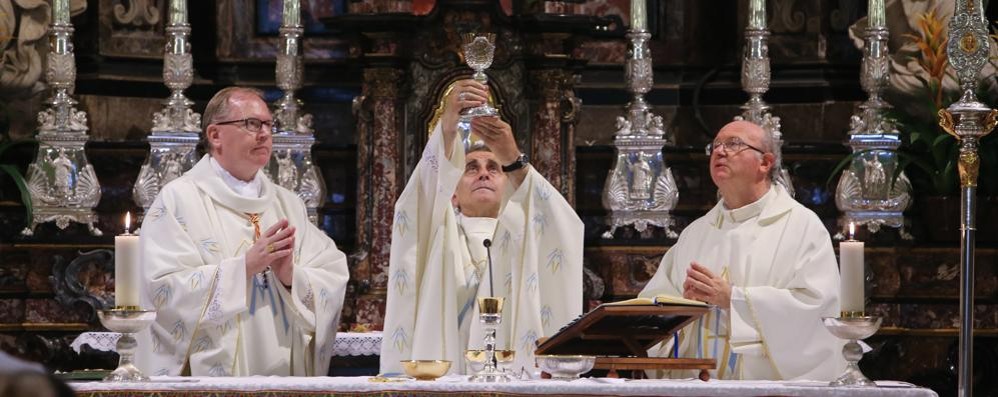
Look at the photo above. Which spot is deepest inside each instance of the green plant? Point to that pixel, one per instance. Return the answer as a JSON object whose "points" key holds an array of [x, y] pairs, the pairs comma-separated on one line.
{"points": [[11, 170]]}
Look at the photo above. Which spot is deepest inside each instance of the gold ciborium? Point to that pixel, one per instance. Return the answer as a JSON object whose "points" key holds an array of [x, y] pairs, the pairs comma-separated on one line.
{"points": [[490, 315], [425, 369]]}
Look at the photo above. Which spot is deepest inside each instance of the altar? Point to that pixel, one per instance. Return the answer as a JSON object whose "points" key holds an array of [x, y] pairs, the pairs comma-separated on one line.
{"points": [[458, 385]]}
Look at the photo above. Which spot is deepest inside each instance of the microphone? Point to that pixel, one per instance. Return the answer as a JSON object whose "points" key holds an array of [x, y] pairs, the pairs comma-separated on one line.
{"points": [[488, 250]]}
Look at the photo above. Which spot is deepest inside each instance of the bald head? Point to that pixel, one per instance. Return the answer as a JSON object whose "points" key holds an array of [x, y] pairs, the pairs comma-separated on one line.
{"points": [[759, 137], [742, 162]]}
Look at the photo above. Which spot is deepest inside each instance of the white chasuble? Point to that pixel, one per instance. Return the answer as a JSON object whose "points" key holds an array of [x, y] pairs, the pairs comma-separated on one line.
{"points": [[212, 318], [779, 260], [438, 266]]}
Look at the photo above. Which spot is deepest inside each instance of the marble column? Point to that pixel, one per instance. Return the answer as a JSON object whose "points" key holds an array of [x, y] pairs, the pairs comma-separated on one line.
{"points": [[553, 128], [380, 181]]}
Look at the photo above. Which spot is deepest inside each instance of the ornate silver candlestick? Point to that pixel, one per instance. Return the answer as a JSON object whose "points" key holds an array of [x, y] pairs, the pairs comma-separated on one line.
{"points": [[755, 82], [490, 314], [291, 163], [852, 329], [127, 321], [175, 129], [867, 192], [640, 189], [968, 120], [63, 185]]}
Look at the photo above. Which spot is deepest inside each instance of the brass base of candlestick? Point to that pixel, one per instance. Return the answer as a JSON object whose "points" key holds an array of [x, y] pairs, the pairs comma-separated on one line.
{"points": [[852, 314]]}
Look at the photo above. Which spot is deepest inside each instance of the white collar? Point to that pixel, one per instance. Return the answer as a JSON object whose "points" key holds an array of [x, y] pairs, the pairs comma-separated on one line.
{"points": [[748, 211], [246, 189]]}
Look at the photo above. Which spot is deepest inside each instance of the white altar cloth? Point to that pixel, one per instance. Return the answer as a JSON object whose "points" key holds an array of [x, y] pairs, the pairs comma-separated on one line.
{"points": [[459, 384], [346, 343]]}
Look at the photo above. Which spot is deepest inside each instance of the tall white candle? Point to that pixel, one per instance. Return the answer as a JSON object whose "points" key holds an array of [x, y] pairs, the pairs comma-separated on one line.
{"points": [[757, 14], [178, 12], [851, 266], [292, 13], [126, 267], [639, 15], [60, 11], [877, 14]]}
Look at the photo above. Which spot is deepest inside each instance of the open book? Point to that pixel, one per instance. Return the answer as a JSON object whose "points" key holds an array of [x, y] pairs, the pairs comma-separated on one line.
{"points": [[658, 300]]}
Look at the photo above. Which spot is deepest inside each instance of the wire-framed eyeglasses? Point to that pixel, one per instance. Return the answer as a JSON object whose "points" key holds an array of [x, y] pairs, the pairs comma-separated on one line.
{"points": [[730, 146], [252, 124]]}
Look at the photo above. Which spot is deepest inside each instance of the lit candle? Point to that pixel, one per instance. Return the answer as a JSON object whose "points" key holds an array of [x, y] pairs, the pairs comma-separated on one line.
{"points": [[852, 294], [292, 13], [126, 270], [877, 14], [60, 11], [757, 14], [178, 12], [639, 15]]}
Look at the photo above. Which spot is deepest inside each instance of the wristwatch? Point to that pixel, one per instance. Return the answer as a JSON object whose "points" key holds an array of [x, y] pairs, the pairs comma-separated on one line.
{"points": [[520, 162]]}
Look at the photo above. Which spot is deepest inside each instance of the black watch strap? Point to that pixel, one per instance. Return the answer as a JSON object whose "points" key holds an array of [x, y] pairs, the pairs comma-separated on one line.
{"points": [[520, 162]]}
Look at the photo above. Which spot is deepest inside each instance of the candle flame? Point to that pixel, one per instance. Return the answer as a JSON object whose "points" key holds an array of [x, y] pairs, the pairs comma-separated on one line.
{"points": [[852, 230], [128, 221]]}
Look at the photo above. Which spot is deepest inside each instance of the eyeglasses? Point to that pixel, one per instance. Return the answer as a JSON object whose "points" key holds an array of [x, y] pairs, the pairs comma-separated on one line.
{"points": [[253, 125], [730, 146]]}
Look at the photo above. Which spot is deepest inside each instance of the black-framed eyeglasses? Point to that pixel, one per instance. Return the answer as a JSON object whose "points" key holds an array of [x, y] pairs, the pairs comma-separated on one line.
{"points": [[252, 124], [730, 146]]}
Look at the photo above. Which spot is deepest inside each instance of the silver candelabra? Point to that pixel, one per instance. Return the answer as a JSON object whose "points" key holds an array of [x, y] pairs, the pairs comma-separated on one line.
{"points": [[640, 189], [291, 163], [63, 185], [174, 136], [873, 190], [968, 120], [755, 82]]}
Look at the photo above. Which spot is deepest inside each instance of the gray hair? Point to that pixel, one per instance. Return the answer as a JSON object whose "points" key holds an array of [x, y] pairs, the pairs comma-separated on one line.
{"points": [[219, 107]]}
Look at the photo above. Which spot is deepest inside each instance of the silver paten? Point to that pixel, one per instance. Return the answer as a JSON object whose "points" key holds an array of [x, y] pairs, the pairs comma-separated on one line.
{"points": [[174, 136], [872, 191], [640, 189], [755, 82], [291, 163], [63, 185]]}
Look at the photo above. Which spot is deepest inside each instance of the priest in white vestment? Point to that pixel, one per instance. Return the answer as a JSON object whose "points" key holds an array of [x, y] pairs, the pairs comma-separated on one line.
{"points": [[454, 201], [242, 282], [765, 261]]}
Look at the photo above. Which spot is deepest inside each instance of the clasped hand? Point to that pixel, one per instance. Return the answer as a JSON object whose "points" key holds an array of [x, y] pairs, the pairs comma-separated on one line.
{"points": [[701, 284], [273, 249]]}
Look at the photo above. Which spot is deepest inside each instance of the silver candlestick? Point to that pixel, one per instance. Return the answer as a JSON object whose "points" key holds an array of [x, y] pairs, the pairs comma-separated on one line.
{"points": [[968, 120], [174, 136], [868, 192], [852, 329], [63, 184], [291, 163], [490, 315], [126, 321], [755, 82], [640, 189]]}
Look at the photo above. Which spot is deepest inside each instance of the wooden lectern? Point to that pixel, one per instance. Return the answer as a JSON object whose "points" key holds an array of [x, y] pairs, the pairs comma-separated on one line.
{"points": [[620, 336]]}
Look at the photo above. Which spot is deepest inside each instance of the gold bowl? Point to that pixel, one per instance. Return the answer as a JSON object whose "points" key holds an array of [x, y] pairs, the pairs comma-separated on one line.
{"points": [[425, 369], [476, 359], [565, 367]]}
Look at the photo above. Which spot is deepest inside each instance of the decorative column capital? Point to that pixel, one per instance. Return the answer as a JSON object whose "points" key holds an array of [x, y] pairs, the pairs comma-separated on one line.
{"points": [[383, 82]]}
